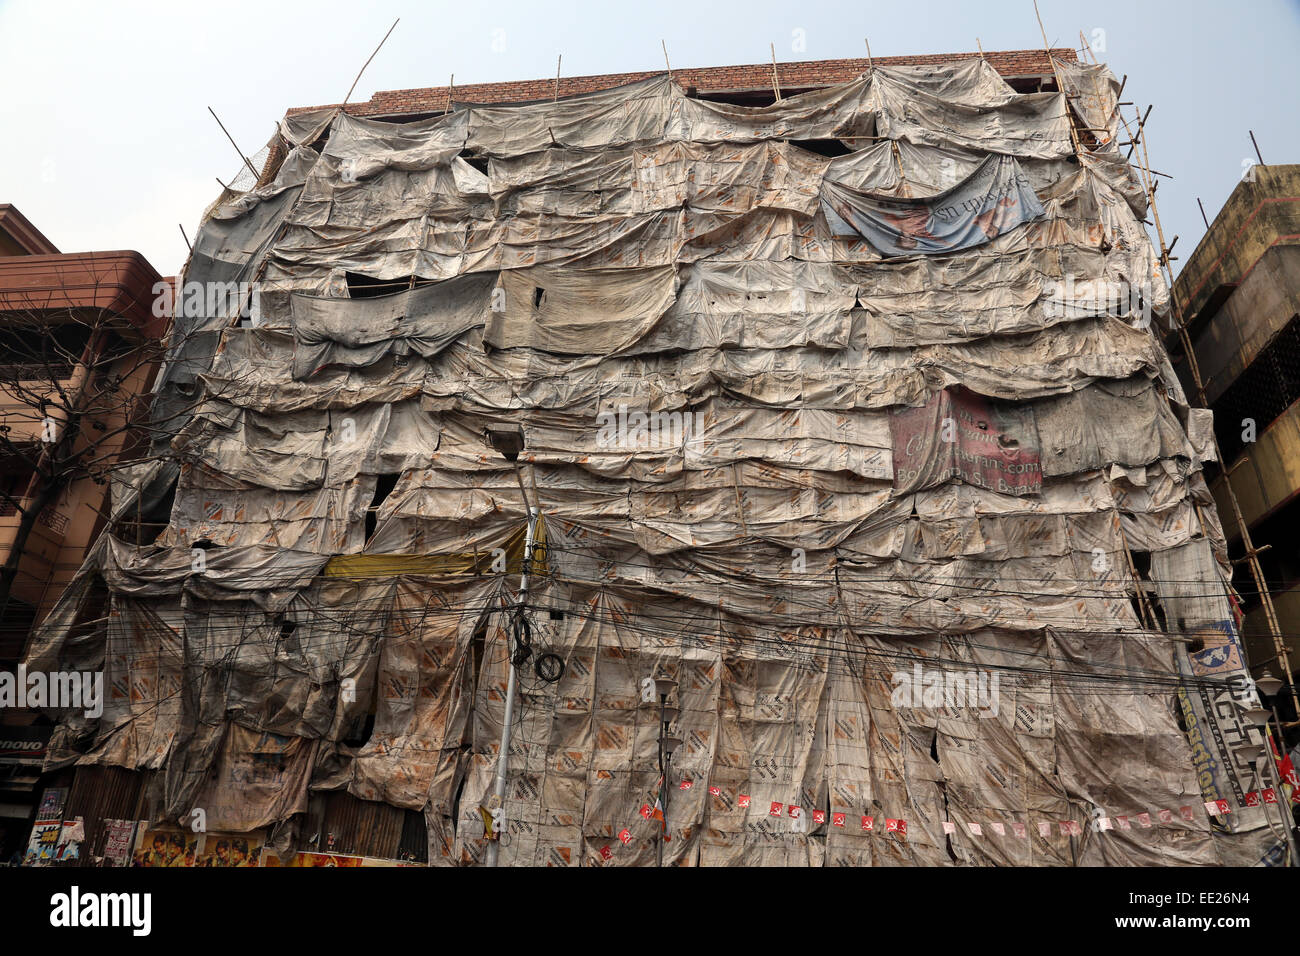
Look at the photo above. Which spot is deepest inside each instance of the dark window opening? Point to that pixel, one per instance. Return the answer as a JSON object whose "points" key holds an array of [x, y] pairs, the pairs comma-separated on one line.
{"points": [[823, 147], [359, 730], [1158, 611], [1032, 84], [1209, 310], [539, 296], [39, 351], [368, 287], [144, 526], [1153, 615], [15, 478], [414, 843], [1280, 563], [746, 97], [19, 618], [1266, 389], [477, 645], [478, 162], [384, 486]]}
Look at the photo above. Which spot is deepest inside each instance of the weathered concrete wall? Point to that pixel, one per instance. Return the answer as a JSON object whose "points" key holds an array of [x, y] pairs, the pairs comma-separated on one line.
{"points": [[1257, 215]]}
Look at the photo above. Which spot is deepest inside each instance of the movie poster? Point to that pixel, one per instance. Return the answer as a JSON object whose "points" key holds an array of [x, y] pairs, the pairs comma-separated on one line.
{"points": [[230, 849], [165, 847]]}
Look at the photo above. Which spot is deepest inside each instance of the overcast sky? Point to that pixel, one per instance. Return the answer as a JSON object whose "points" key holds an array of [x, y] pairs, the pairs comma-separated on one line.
{"points": [[106, 142]]}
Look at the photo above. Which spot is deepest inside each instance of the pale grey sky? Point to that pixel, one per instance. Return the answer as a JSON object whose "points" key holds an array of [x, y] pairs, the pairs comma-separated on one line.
{"points": [[106, 142]]}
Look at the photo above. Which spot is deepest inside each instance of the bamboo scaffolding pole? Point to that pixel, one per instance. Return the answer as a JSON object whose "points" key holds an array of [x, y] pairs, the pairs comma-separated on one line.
{"points": [[1074, 136], [247, 162], [368, 59]]}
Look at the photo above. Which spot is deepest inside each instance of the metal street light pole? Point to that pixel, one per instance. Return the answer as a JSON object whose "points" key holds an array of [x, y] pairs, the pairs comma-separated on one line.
{"points": [[509, 441], [667, 747], [1257, 716], [663, 795]]}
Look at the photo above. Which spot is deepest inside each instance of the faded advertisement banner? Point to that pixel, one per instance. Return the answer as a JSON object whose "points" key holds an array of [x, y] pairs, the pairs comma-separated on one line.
{"points": [[993, 199], [959, 434]]}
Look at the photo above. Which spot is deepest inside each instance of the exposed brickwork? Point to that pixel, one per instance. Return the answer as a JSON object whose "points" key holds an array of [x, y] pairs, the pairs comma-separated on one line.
{"points": [[793, 77]]}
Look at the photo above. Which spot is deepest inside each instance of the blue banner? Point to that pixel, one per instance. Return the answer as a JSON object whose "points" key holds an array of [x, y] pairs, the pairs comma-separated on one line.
{"points": [[994, 199]]}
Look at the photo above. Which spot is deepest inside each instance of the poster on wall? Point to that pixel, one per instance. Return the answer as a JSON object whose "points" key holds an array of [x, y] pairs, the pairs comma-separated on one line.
{"points": [[230, 849], [120, 834], [172, 847], [43, 845], [52, 804], [164, 847], [70, 839]]}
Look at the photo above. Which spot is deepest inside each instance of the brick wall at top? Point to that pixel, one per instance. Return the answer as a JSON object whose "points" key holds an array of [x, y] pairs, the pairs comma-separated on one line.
{"points": [[714, 79]]}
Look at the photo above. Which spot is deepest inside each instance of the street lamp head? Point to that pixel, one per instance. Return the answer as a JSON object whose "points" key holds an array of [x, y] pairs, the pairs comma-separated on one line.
{"points": [[1256, 716], [508, 440], [671, 744], [1267, 684], [664, 686], [670, 713], [1251, 751]]}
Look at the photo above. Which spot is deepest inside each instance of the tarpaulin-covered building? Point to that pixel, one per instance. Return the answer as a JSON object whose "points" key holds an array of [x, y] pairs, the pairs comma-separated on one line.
{"points": [[827, 406]]}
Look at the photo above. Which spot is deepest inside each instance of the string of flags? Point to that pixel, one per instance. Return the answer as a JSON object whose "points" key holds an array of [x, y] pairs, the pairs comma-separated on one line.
{"points": [[1145, 820]]}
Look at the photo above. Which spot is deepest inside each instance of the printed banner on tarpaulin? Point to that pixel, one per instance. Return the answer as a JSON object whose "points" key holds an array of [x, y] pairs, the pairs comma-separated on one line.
{"points": [[994, 199], [960, 434], [1220, 653], [258, 778]]}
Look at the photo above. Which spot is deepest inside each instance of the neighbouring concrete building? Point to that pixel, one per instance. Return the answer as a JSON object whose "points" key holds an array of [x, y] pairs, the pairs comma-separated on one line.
{"points": [[70, 323], [863, 516], [1240, 294]]}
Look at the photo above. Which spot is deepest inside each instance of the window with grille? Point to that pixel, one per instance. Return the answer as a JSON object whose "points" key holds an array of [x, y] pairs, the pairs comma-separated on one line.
{"points": [[1266, 389]]}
